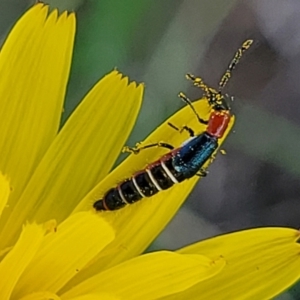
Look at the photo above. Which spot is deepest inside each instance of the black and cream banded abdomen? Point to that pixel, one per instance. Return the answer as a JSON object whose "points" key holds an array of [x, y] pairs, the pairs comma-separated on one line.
{"points": [[158, 176]]}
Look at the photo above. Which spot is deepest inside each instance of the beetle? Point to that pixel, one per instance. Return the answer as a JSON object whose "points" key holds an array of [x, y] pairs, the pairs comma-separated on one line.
{"points": [[180, 163]]}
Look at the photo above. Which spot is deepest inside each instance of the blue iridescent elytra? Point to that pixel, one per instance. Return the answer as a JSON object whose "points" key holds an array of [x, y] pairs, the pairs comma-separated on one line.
{"points": [[180, 163], [193, 154]]}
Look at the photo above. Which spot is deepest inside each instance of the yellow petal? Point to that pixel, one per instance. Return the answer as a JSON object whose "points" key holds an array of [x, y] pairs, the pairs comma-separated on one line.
{"points": [[4, 191], [41, 296], [15, 262], [83, 152], [97, 296], [151, 276], [261, 263], [34, 68], [64, 253], [138, 224]]}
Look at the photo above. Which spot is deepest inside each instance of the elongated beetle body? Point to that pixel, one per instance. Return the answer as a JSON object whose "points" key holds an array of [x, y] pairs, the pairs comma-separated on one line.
{"points": [[183, 162]]}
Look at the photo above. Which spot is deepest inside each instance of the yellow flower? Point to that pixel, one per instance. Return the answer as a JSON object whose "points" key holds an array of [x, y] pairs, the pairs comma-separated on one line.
{"points": [[52, 177], [53, 245]]}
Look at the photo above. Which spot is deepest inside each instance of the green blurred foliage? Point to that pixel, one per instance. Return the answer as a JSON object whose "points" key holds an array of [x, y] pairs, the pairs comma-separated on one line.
{"points": [[105, 33]]}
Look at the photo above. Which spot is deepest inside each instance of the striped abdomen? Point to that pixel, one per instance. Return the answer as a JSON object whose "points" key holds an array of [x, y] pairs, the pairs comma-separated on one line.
{"points": [[158, 176], [176, 166]]}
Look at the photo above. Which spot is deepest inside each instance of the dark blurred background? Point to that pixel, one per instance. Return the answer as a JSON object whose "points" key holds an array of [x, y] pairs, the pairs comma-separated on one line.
{"points": [[157, 42]]}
